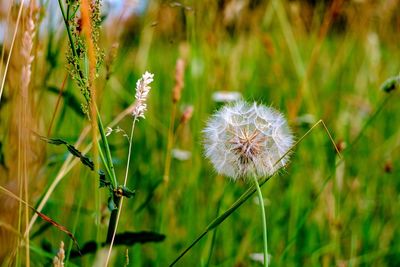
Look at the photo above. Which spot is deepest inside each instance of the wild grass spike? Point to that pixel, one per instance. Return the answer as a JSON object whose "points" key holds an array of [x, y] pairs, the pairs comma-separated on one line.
{"points": [[142, 90]]}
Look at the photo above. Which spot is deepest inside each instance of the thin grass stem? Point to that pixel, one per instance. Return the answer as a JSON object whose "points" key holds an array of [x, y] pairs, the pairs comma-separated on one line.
{"points": [[112, 227], [11, 48], [169, 145], [264, 220], [106, 148]]}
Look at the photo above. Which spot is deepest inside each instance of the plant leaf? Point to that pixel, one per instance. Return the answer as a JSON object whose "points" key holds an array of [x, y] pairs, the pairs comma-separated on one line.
{"points": [[111, 204], [126, 192], [76, 153], [125, 238]]}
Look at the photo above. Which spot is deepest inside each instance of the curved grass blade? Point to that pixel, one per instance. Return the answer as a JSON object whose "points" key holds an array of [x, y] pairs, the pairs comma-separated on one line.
{"points": [[221, 218], [43, 216]]}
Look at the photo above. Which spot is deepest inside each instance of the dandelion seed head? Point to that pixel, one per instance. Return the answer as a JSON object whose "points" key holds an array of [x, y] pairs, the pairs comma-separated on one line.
{"points": [[142, 91], [243, 140]]}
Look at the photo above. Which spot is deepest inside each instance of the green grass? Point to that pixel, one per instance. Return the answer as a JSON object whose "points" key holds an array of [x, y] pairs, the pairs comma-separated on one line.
{"points": [[318, 213]]}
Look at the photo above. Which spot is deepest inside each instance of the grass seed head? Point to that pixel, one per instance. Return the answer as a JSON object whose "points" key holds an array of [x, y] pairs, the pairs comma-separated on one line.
{"points": [[58, 260], [243, 140], [142, 91], [179, 80]]}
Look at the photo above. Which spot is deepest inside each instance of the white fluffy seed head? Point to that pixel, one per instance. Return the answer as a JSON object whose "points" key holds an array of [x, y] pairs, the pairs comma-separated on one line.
{"points": [[243, 140], [142, 91]]}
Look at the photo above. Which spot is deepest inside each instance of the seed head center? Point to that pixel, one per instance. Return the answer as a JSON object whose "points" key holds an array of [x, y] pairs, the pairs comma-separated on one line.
{"points": [[247, 144]]}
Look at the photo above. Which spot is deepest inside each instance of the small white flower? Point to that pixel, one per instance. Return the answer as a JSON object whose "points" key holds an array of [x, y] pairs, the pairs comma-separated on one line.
{"points": [[259, 257], [180, 154], [226, 96], [142, 91], [109, 131], [243, 140]]}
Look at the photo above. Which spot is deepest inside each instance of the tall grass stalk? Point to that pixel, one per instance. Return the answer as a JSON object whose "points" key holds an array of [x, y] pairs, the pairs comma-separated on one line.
{"points": [[11, 47], [86, 14], [141, 95], [176, 96]]}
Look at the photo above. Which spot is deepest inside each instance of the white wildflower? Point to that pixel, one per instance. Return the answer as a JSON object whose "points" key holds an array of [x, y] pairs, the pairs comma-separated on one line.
{"points": [[226, 96], [243, 140], [109, 131], [142, 91], [259, 257], [180, 154]]}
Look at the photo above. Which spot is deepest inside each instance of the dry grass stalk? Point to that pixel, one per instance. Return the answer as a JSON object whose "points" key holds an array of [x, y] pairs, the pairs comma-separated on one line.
{"points": [[179, 80], [23, 155], [24, 117], [11, 48], [187, 115]]}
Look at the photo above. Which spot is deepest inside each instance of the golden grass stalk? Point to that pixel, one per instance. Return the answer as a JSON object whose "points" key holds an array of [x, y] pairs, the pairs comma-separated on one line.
{"points": [[22, 153], [11, 48], [87, 29], [24, 115]]}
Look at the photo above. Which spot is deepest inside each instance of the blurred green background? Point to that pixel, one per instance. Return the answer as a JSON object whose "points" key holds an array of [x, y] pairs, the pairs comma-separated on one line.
{"points": [[311, 60]]}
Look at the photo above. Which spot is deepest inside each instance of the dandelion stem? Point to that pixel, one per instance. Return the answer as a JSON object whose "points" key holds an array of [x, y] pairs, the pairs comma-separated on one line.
{"points": [[264, 220]]}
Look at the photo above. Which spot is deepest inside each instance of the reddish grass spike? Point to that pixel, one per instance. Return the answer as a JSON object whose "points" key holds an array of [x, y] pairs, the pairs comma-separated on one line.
{"points": [[58, 226]]}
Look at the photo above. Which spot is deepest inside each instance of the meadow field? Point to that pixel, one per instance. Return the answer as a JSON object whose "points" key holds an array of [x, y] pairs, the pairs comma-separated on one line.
{"points": [[103, 106]]}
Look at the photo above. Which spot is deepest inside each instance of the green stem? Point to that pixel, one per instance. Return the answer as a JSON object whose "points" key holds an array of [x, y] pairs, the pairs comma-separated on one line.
{"points": [[171, 138], [71, 41], [130, 150], [167, 167], [106, 148], [65, 18], [264, 220], [103, 160], [112, 225]]}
